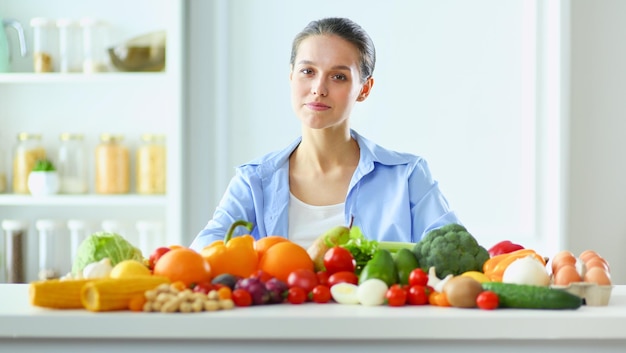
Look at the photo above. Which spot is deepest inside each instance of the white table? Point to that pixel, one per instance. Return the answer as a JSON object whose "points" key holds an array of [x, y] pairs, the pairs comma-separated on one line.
{"points": [[313, 327]]}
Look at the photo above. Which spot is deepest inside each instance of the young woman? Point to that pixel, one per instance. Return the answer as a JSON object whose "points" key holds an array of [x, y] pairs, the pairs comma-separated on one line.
{"points": [[331, 175]]}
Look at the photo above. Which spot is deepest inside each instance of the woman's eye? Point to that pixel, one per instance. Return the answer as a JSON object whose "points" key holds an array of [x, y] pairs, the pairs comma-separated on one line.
{"points": [[340, 77], [306, 71]]}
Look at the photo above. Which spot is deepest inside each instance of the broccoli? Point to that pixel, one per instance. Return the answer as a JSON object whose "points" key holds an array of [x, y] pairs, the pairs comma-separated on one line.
{"points": [[451, 249]]}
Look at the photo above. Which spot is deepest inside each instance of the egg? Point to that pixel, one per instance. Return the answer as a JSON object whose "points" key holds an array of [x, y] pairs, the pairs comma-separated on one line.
{"points": [[597, 275], [344, 293], [562, 258], [597, 262], [565, 275], [587, 254]]}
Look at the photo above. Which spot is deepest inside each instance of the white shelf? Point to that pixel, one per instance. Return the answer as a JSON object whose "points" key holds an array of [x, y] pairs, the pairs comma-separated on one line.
{"points": [[82, 78], [83, 200]]}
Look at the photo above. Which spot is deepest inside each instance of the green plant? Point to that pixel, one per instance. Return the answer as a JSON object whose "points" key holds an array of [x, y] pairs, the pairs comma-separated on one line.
{"points": [[43, 165]]}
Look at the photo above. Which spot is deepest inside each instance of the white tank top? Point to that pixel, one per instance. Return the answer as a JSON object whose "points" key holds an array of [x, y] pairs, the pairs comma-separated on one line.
{"points": [[307, 222]]}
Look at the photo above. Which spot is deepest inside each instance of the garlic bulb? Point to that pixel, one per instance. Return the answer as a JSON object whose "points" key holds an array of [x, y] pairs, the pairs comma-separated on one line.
{"points": [[526, 270], [98, 269]]}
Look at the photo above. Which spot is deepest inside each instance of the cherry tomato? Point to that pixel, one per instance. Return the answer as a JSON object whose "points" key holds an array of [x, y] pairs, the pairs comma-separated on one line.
{"points": [[418, 277], [296, 295], [487, 300], [322, 277], [303, 278], [396, 296], [156, 255], [241, 297], [337, 259], [321, 294], [418, 295], [203, 287], [343, 277]]}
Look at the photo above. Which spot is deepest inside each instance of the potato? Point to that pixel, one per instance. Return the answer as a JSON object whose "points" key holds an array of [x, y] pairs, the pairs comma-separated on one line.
{"points": [[462, 291]]}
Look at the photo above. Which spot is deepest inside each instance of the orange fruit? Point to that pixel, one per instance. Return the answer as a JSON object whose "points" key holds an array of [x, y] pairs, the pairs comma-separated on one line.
{"points": [[283, 258], [267, 242], [184, 265]]}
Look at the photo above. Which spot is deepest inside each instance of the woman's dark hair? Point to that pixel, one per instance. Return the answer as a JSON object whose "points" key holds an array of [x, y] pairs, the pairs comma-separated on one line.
{"points": [[349, 31]]}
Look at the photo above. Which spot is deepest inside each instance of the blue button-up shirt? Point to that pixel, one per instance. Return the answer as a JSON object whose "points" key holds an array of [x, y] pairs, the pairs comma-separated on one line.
{"points": [[392, 197]]}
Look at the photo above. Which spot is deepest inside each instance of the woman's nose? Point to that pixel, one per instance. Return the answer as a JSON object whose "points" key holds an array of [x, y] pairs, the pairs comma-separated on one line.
{"points": [[319, 88]]}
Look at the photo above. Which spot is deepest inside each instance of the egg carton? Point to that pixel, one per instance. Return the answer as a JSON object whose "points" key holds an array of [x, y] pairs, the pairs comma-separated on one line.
{"points": [[592, 293]]}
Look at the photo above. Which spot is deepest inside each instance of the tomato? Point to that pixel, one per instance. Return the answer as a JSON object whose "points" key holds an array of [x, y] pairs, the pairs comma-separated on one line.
{"points": [[303, 278], [487, 300], [241, 297], [418, 295], [203, 287], [396, 296], [156, 255], [322, 277], [262, 276], [337, 259], [320, 294], [418, 277], [343, 277], [296, 295]]}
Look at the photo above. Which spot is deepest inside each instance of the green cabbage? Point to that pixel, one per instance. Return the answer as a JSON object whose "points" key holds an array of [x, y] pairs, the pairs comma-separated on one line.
{"points": [[102, 245]]}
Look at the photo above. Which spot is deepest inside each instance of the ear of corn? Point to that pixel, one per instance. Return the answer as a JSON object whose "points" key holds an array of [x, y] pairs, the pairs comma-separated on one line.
{"points": [[115, 293], [57, 294]]}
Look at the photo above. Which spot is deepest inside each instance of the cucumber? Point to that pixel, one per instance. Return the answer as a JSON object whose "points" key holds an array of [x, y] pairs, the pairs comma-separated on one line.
{"points": [[522, 296]]}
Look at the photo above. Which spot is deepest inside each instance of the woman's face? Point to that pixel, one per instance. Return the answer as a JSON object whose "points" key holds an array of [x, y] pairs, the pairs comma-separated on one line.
{"points": [[325, 81]]}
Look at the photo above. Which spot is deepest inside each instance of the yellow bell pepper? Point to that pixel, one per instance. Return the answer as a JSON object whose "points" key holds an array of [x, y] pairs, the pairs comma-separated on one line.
{"points": [[235, 256]]}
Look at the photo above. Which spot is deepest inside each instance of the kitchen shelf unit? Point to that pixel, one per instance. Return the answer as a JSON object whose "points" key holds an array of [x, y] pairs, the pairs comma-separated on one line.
{"points": [[113, 102]]}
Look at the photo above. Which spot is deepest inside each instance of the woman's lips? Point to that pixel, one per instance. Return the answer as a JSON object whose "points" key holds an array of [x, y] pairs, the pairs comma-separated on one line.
{"points": [[317, 106]]}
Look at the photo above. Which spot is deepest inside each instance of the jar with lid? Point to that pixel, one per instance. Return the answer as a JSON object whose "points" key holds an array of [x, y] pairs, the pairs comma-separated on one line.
{"points": [[95, 44], [15, 236], [52, 246], [151, 164], [112, 165], [70, 42], [150, 235], [78, 232], [72, 164], [45, 44], [27, 152]]}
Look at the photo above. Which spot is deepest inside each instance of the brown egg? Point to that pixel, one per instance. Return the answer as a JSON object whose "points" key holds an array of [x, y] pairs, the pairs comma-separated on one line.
{"points": [[562, 258], [565, 275], [587, 254], [597, 275], [597, 262]]}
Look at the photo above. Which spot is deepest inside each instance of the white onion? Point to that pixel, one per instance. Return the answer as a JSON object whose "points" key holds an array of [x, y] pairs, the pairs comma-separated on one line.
{"points": [[526, 270]]}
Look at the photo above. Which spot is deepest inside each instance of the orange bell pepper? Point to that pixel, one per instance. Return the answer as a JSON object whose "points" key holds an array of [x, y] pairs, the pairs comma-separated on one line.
{"points": [[235, 256], [495, 266]]}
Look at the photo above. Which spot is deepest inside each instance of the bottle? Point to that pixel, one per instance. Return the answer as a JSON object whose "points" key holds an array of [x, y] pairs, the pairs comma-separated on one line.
{"points": [[72, 164], [27, 152], [70, 42], [52, 246], [150, 235], [44, 44], [112, 165], [151, 164], [78, 232], [15, 235], [95, 44]]}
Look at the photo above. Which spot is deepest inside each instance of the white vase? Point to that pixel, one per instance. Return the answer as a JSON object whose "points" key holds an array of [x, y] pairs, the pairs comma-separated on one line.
{"points": [[41, 183]]}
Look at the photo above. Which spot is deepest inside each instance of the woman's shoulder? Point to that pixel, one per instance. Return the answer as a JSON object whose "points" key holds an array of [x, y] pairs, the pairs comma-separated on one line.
{"points": [[271, 161], [379, 154]]}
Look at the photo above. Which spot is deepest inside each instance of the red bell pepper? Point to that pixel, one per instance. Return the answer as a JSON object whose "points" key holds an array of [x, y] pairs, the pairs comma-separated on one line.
{"points": [[504, 247]]}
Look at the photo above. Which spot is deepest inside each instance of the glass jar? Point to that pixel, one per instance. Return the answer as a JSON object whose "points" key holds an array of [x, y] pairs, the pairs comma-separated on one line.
{"points": [[44, 44], [52, 263], [95, 44], [151, 164], [14, 256], [78, 232], [27, 152], [72, 164], [70, 42], [150, 236], [112, 165]]}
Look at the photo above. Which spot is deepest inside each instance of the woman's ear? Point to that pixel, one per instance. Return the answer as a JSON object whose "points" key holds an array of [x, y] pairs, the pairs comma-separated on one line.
{"points": [[366, 89]]}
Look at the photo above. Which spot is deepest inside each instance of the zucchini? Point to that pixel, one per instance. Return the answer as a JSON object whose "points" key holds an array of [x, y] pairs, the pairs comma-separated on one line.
{"points": [[523, 296]]}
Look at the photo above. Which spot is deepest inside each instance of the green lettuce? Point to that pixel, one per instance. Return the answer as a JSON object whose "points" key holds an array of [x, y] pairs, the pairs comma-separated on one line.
{"points": [[102, 245]]}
